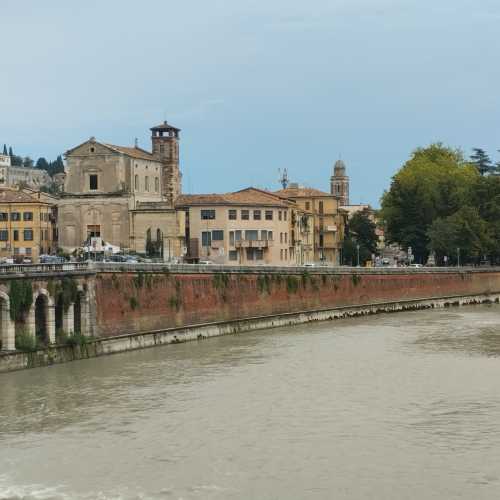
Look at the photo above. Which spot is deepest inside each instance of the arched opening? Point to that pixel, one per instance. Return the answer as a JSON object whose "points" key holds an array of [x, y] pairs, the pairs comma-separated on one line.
{"points": [[41, 319], [59, 310], [77, 314]]}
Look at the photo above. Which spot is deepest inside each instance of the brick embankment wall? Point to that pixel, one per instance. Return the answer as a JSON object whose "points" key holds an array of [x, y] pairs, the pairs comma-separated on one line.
{"points": [[146, 301]]}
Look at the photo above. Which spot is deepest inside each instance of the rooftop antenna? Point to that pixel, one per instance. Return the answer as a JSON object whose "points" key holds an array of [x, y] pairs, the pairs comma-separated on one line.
{"points": [[283, 177]]}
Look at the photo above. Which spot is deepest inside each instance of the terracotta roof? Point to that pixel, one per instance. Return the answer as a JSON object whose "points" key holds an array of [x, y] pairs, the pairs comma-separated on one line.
{"points": [[165, 126], [139, 153], [15, 196], [301, 192], [249, 196]]}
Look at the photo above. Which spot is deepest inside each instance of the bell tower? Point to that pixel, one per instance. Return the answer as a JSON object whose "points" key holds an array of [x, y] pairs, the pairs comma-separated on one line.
{"points": [[165, 145], [339, 183]]}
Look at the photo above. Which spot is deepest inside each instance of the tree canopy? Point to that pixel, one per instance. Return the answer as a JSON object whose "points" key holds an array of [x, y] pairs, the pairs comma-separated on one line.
{"points": [[440, 202], [360, 231]]}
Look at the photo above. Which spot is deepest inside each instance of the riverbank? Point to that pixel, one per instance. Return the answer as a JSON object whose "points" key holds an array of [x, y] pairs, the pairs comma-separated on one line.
{"points": [[57, 354]]}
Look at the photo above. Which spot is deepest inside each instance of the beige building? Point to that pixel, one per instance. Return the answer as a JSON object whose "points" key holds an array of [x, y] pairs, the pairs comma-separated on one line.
{"points": [[26, 225], [11, 176], [325, 233], [247, 227], [124, 195]]}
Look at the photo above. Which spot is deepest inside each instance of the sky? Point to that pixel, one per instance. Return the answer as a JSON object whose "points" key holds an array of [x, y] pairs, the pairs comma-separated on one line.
{"points": [[255, 85]]}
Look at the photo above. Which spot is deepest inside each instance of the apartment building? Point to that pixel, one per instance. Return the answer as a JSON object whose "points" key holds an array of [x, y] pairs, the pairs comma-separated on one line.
{"points": [[247, 227], [26, 225]]}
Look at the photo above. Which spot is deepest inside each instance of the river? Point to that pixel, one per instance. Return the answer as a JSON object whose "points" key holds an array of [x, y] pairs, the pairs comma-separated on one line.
{"points": [[395, 406]]}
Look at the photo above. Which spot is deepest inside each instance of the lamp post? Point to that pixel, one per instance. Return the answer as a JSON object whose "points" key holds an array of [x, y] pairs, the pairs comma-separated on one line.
{"points": [[357, 248], [458, 257]]}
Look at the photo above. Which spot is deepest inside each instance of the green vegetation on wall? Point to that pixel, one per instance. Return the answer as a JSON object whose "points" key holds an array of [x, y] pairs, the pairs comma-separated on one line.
{"points": [[21, 298]]}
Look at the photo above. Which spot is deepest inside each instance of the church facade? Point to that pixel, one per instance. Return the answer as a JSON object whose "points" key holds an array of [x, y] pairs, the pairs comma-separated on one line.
{"points": [[124, 195]]}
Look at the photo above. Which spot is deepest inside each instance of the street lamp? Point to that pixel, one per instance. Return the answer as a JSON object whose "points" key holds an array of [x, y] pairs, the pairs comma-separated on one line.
{"points": [[357, 248]]}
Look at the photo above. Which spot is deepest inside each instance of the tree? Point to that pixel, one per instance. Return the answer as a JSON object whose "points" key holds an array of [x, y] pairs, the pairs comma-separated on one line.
{"points": [[433, 183], [5, 150], [42, 164], [27, 162], [10, 151], [463, 232], [360, 231], [481, 161]]}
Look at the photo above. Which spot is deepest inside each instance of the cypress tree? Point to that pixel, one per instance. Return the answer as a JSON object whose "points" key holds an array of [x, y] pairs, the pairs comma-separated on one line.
{"points": [[5, 149]]}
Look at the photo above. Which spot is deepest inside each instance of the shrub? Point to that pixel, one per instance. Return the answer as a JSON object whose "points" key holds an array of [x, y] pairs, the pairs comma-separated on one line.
{"points": [[292, 284], [25, 342], [134, 303], [61, 337], [76, 339], [21, 298]]}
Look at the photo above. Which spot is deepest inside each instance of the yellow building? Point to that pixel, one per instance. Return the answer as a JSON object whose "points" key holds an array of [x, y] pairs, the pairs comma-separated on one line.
{"points": [[26, 227], [326, 233]]}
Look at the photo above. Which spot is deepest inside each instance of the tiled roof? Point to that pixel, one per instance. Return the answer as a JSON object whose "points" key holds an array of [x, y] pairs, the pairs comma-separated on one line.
{"points": [[165, 126], [249, 196], [139, 153], [301, 192], [15, 196]]}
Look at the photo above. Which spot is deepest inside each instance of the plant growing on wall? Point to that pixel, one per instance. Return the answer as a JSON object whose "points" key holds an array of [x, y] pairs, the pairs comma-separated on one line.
{"points": [[21, 298], [292, 284]]}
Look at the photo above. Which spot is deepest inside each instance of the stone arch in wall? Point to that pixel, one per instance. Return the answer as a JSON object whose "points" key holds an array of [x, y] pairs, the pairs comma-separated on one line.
{"points": [[81, 313], [7, 329], [42, 320]]}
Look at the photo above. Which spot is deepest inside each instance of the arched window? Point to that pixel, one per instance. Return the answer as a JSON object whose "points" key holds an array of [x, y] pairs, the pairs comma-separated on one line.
{"points": [[146, 183], [158, 235], [157, 184], [136, 181]]}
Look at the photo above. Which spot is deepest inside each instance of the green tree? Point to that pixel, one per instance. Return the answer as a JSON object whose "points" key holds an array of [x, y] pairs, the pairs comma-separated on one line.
{"points": [[433, 183], [481, 161], [27, 162], [463, 232], [42, 164]]}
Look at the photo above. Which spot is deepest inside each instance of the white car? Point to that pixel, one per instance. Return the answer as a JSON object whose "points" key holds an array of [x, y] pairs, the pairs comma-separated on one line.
{"points": [[416, 265]]}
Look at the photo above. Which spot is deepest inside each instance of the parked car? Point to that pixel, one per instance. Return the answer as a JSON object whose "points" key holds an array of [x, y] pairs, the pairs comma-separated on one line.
{"points": [[205, 262], [51, 259], [415, 265]]}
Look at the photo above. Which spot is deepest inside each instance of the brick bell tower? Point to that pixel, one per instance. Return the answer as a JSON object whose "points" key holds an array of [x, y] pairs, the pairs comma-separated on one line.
{"points": [[165, 141], [339, 183]]}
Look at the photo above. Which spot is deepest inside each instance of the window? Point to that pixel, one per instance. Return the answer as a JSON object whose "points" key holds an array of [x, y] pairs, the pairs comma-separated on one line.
{"points": [[146, 183], [4, 235], [4, 216], [93, 231], [269, 215], [207, 214], [270, 235], [237, 235], [279, 215], [15, 235], [252, 235], [257, 215], [308, 205], [281, 237], [157, 184], [136, 182], [286, 237], [92, 150], [27, 215], [28, 235], [206, 238], [259, 253], [28, 251], [320, 207], [285, 213], [245, 215], [286, 256], [263, 235], [281, 254], [15, 216], [321, 240], [250, 253], [233, 255], [232, 214], [217, 235], [93, 185], [16, 250], [231, 238]]}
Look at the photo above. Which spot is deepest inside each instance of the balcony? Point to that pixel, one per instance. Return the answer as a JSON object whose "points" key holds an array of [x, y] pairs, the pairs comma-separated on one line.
{"points": [[253, 243]]}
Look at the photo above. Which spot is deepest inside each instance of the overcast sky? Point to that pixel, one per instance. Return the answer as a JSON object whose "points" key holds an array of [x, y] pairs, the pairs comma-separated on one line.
{"points": [[254, 85]]}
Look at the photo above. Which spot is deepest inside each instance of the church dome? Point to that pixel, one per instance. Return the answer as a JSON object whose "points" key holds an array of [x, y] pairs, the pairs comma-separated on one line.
{"points": [[339, 169]]}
